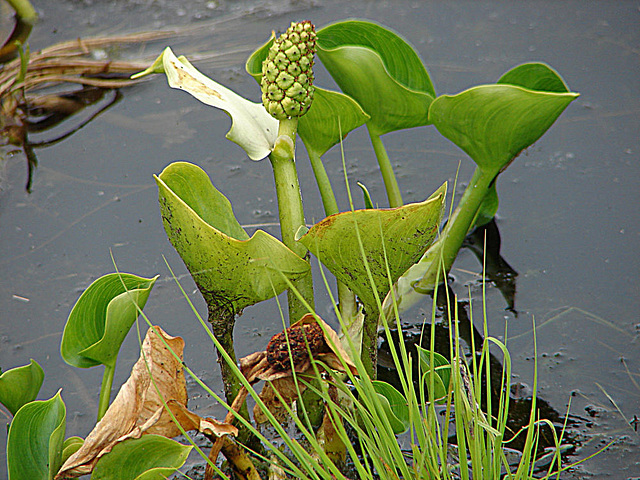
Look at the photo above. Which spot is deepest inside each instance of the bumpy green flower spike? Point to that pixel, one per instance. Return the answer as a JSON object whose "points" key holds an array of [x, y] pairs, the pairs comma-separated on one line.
{"points": [[287, 76]]}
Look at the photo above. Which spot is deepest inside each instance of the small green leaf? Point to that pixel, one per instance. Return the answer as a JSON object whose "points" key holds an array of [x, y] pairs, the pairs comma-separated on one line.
{"points": [[252, 128], [368, 203], [424, 356], [20, 385], [494, 123], [35, 440], [407, 232], [394, 404], [332, 114], [150, 457], [232, 270], [439, 390], [535, 76], [70, 446], [380, 71], [102, 317], [440, 367]]}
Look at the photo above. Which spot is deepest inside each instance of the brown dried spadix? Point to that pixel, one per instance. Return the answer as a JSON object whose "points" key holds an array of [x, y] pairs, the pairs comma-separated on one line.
{"points": [[287, 75]]}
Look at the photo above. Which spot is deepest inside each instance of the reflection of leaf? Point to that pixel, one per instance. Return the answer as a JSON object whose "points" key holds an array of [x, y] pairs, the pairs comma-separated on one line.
{"points": [[253, 128], [380, 71], [232, 270], [150, 457], [102, 317], [20, 385], [35, 440], [139, 408], [332, 114], [407, 232]]}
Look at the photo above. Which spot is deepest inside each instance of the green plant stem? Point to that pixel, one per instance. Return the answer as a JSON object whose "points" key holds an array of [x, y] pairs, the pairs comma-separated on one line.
{"points": [[346, 298], [24, 11], [369, 353], [390, 181], [290, 209], [222, 326], [445, 249], [105, 390], [329, 201]]}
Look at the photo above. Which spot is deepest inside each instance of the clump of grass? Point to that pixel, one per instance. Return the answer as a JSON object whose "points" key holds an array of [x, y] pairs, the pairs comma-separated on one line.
{"points": [[360, 424]]}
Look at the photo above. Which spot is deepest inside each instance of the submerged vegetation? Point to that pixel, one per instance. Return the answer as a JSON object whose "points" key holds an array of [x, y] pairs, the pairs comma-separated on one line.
{"points": [[441, 415]]}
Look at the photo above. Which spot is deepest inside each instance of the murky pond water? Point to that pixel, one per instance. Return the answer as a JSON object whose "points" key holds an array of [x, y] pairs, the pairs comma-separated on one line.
{"points": [[568, 220]]}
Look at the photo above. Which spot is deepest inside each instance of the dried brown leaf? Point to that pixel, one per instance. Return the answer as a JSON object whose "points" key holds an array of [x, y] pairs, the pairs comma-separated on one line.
{"points": [[139, 408]]}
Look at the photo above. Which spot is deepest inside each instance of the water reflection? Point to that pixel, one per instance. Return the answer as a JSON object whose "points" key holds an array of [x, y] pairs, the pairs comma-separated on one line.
{"points": [[485, 243], [496, 268], [42, 113], [417, 333]]}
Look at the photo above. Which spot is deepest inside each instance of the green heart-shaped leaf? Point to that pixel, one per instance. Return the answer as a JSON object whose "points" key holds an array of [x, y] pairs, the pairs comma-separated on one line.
{"points": [[535, 76], [35, 440], [231, 270], [332, 114], [102, 317], [331, 117], [407, 232], [440, 367], [380, 71], [150, 457], [494, 123], [252, 128], [20, 385], [394, 405]]}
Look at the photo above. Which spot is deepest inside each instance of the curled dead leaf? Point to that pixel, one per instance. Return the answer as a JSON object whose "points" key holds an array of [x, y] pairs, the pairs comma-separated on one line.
{"points": [[275, 365], [139, 408]]}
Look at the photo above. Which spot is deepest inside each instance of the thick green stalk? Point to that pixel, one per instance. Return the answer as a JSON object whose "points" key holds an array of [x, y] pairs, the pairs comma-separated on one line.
{"points": [[346, 298], [105, 390], [445, 250], [369, 353], [26, 18], [290, 209], [329, 201], [24, 11], [390, 181], [222, 326]]}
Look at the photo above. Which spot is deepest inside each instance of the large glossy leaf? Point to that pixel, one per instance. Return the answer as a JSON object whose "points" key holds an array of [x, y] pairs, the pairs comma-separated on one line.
{"points": [[332, 114], [407, 232], [380, 70], [35, 440], [150, 457], [232, 270], [252, 128], [102, 317], [20, 385], [394, 405], [494, 123]]}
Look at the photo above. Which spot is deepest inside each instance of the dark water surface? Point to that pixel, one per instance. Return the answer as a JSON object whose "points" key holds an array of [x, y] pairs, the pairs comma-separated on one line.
{"points": [[569, 217]]}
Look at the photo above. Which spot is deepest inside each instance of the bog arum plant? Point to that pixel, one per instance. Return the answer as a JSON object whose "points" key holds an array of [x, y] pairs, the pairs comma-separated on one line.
{"points": [[383, 259]]}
